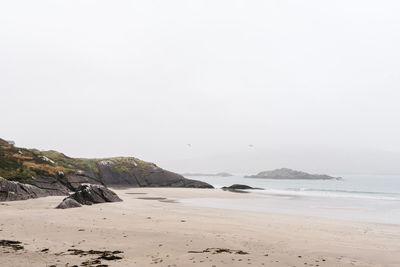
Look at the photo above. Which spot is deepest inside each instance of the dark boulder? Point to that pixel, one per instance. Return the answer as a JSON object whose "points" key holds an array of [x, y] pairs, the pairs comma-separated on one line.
{"points": [[91, 194], [88, 194], [238, 188], [68, 203]]}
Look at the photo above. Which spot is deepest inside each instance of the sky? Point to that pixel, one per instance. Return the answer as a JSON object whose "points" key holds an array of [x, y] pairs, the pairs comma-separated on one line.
{"points": [[206, 86]]}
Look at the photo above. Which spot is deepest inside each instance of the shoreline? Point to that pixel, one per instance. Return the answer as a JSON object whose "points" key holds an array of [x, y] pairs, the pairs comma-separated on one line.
{"points": [[155, 226], [342, 208]]}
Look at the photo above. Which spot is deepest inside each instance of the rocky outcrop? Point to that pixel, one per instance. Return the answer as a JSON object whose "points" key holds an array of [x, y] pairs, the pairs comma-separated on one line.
{"points": [[58, 174], [10, 191], [74, 181], [193, 184], [147, 176], [51, 185], [289, 174], [89, 194]]}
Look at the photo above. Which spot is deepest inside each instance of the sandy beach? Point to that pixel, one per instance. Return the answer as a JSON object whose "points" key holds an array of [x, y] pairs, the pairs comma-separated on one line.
{"points": [[152, 227]]}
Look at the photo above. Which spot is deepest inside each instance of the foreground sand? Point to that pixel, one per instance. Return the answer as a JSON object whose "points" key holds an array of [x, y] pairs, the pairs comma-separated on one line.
{"points": [[162, 233]]}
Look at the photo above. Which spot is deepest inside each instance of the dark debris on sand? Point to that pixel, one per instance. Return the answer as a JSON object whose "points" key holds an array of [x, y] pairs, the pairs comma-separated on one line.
{"points": [[15, 245], [103, 254], [219, 250], [98, 256]]}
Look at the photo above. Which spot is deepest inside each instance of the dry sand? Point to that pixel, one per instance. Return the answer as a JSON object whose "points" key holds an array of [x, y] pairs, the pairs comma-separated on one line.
{"points": [[165, 233]]}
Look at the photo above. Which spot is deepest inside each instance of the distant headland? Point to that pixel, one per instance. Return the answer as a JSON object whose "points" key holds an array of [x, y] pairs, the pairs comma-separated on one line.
{"points": [[220, 174]]}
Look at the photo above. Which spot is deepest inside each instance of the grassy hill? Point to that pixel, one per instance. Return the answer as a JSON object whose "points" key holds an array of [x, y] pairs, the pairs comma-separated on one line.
{"points": [[52, 170]]}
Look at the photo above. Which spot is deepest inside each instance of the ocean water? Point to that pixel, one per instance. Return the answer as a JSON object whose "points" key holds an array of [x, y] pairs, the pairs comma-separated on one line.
{"points": [[373, 198]]}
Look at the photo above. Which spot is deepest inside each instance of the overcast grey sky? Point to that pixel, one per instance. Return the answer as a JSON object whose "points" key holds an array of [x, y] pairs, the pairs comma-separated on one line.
{"points": [[311, 84]]}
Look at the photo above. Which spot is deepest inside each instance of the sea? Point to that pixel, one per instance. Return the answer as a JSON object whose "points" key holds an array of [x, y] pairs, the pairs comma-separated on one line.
{"points": [[371, 198]]}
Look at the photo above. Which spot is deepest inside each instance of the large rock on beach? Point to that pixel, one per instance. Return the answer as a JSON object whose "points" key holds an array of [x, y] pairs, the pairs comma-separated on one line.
{"points": [[88, 194], [68, 203]]}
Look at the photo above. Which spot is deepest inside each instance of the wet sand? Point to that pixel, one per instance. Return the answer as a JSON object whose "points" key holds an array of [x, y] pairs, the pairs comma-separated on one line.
{"points": [[154, 228]]}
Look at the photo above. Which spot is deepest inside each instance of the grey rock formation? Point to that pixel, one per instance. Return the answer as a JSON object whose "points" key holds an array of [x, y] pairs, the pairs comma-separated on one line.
{"points": [[74, 181], [289, 174], [51, 185], [88, 194], [10, 191], [150, 176], [68, 203]]}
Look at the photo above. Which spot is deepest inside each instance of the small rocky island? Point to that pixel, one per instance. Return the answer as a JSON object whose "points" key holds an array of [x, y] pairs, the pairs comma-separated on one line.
{"points": [[220, 174], [288, 174]]}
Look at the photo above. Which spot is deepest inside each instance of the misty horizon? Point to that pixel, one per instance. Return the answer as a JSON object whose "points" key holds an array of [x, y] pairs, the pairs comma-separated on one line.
{"points": [[312, 86], [253, 160]]}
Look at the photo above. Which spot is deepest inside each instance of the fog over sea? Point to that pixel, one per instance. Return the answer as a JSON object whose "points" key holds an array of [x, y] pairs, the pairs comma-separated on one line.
{"points": [[373, 198]]}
